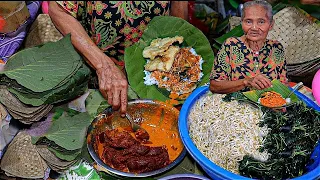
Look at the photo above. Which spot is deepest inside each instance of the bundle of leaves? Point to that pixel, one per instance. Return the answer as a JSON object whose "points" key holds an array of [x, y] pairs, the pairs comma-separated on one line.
{"points": [[65, 137], [46, 74], [22, 112], [290, 141]]}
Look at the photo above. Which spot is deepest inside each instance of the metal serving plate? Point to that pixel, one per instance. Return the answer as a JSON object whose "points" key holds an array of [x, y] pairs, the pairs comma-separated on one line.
{"points": [[93, 128]]}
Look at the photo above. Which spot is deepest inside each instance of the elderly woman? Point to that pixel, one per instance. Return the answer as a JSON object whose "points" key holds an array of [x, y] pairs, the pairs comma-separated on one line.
{"points": [[250, 61]]}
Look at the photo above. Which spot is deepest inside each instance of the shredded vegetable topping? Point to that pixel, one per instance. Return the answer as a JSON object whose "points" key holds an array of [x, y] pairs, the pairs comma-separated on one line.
{"points": [[272, 99], [226, 131]]}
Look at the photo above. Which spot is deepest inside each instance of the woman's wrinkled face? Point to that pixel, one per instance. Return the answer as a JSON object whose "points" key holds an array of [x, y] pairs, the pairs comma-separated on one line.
{"points": [[256, 23]]}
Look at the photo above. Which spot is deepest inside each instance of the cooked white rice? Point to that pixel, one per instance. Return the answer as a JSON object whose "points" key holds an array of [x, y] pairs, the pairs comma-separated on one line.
{"points": [[148, 80], [226, 131]]}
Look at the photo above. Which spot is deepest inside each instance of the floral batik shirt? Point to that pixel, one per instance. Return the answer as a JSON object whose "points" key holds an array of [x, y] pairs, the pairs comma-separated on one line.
{"points": [[236, 61], [115, 25]]}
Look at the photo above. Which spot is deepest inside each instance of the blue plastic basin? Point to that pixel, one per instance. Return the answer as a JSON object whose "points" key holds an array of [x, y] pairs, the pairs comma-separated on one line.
{"points": [[215, 171], [184, 177]]}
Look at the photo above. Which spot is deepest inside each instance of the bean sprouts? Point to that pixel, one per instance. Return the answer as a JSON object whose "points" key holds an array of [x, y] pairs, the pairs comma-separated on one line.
{"points": [[226, 131]]}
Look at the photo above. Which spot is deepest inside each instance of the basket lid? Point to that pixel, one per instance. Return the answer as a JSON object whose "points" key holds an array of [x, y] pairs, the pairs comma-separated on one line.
{"points": [[298, 34], [21, 159]]}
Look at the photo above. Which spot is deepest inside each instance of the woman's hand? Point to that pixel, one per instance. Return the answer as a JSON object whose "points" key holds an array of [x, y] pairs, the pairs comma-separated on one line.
{"points": [[258, 82], [113, 85]]}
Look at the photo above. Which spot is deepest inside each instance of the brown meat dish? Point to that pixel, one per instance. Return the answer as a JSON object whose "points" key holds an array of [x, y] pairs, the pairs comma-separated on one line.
{"points": [[142, 135], [125, 153]]}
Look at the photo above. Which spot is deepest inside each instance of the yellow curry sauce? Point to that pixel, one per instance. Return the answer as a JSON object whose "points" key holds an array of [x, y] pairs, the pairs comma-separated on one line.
{"points": [[163, 133]]}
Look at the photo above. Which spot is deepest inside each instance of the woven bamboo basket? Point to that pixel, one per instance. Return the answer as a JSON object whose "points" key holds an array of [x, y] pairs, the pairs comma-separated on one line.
{"points": [[21, 159], [234, 21], [3, 112], [41, 31], [52, 160], [298, 34]]}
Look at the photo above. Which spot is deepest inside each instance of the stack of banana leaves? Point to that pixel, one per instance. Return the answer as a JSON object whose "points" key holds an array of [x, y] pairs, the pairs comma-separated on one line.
{"points": [[36, 78], [22, 112], [61, 145], [35, 87]]}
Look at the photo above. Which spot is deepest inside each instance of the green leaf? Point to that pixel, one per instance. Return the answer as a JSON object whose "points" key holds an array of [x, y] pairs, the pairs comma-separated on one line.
{"points": [[43, 68], [234, 3], [35, 139], [60, 152], [223, 25], [313, 10], [277, 86], [93, 102], [131, 94], [215, 45], [161, 27], [75, 86], [96, 103], [235, 32], [69, 132], [104, 105], [66, 155]]}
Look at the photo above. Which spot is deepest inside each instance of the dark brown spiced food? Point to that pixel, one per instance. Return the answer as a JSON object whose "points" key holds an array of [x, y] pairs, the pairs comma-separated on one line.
{"points": [[125, 153]]}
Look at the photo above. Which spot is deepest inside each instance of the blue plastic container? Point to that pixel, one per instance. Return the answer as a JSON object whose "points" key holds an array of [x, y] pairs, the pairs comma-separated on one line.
{"points": [[215, 171], [184, 177]]}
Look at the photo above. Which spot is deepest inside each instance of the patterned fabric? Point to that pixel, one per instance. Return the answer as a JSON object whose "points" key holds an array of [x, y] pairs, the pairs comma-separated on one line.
{"points": [[237, 61], [115, 25], [11, 42]]}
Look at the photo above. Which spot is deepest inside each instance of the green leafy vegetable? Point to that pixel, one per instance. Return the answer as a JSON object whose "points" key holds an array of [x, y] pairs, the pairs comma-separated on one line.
{"points": [[292, 138], [234, 3], [161, 27]]}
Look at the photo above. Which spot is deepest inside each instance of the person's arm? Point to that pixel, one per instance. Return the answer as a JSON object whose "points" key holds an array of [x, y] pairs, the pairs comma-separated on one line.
{"points": [[179, 9], [113, 84], [224, 87], [310, 2]]}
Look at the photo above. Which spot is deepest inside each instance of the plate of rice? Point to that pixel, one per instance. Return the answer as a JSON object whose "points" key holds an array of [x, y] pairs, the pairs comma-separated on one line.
{"points": [[171, 59]]}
